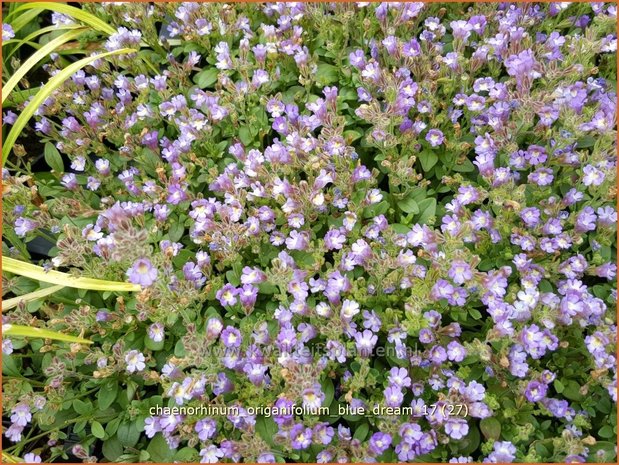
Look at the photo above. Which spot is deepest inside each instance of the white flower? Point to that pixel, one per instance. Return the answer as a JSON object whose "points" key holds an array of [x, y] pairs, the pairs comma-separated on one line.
{"points": [[349, 309], [135, 361]]}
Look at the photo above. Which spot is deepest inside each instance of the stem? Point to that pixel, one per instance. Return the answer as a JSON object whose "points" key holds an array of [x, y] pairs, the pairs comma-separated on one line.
{"points": [[46, 236]]}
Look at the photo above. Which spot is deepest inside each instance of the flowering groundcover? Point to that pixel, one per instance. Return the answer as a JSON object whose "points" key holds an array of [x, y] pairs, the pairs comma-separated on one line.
{"points": [[355, 232]]}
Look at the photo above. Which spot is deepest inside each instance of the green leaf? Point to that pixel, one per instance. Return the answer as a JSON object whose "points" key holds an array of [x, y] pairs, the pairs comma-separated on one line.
{"points": [[400, 228], [585, 142], [490, 428], [329, 390], [36, 57], [152, 345], [470, 442], [326, 74], [28, 331], [352, 135], [572, 390], [377, 209], [53, 158], [81, 407], [56, 81], [361, 431], [176, 232], [606, 432], [609, 448], [476, 314], [465, 167], [112, 449], [266, 428], [409, 205], [428, 210], [245, 135], [107, 394], [206, 77], [97, 430], [428, 159], [128, 434], [186, 455], [10, 265], [558, 385], [159, 450]]}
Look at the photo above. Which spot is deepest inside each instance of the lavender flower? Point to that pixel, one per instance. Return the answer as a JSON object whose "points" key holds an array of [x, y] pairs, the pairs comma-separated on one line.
{"points": [[142, 272]]}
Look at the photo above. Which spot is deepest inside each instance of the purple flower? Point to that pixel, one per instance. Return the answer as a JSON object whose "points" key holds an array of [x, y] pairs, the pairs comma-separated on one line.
{"points": [[206, 428], [365, 342], [524, 67], [585, 220], [7, 32], [32, 458], [535, 391], [393, 396], [256, 373], [592, 176], [69, 181], [460, 272], [156, 332], [193, 273], [455, 351], [300, 437], [435, 137], [142, 272], [211, 454], [20, 414], [227, 295], [222, 385], [298, 240], [379, 442], [323, 433], [334, 239], [313, 397], [248, 295], [399, 377], [14, 432], [24, 225], [357, 59], [456, 428], [7, 346], [442, 290], [231, 337], [504, 451], [176, 194]]}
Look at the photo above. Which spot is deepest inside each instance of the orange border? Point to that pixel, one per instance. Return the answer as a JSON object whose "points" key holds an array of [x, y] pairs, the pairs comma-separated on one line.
{"points": [[335, 1]]}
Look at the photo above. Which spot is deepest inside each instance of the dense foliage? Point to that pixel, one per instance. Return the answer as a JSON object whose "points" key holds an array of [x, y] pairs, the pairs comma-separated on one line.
{"points": [[355, 206]]}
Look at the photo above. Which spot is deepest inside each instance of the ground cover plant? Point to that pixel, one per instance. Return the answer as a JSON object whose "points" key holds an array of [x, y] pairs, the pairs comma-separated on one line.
{"points": [[309, 232]]}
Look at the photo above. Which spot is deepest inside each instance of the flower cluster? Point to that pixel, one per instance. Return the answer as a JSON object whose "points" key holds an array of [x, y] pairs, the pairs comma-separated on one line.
{"points": [[401, 212]]}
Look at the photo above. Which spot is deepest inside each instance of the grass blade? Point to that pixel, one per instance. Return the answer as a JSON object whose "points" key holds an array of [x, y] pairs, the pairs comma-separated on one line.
{"points": [[35, 272], [40, 54], [10, 303], [26, 331], [55, 82], [22, 20], [28, 39], [18, 97], [8, 458], [77, 14]]}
